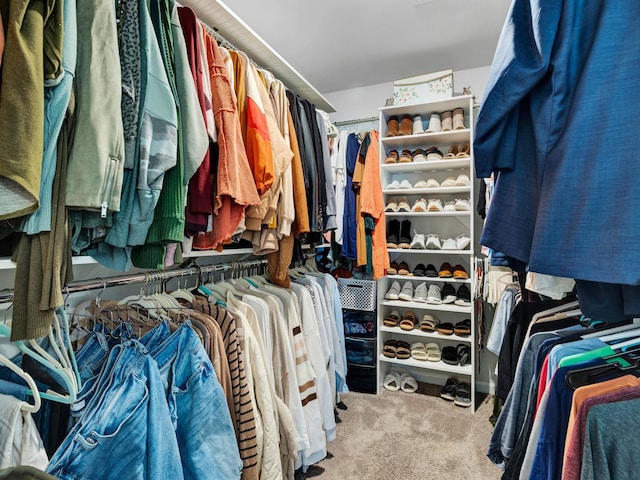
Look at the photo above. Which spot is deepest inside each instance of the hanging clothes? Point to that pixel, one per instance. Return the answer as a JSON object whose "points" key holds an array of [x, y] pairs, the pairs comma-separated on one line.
{"points": [[349, 244], [25, 59], [530, 133], [20, 442]]}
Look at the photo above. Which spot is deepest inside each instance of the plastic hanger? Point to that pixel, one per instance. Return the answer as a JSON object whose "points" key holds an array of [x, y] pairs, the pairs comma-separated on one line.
{"points": [[621, 328], [65, 374], [589, 375], [563, 311], [33, 389]]}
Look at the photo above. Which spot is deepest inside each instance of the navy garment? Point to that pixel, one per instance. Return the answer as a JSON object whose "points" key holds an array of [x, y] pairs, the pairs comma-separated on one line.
{"points": [[349, 220], [562, 93]]}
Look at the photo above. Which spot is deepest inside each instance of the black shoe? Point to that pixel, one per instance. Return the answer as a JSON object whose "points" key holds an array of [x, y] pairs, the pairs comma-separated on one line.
{"points": [[462, 397], [393, 233], [448, 293], [431, 271], [464, 296], [405, 234], [448, 392]]}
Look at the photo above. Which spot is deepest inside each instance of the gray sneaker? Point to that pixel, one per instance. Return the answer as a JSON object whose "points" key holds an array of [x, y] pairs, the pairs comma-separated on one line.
{"points": [[393, 292], [433, 242], [418, 241], [434, 295], [420, 293], [407, 291]]}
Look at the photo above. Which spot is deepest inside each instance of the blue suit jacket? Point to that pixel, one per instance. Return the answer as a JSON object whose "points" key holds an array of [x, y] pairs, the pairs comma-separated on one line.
{"points": [[560, 127]]}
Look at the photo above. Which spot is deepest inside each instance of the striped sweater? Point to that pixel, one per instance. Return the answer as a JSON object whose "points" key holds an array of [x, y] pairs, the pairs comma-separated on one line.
{"points": [[243, 415]]}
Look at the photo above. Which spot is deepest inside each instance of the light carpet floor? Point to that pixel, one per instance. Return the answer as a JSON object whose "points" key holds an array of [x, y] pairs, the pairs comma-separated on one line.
{"points": [[397, 435]]}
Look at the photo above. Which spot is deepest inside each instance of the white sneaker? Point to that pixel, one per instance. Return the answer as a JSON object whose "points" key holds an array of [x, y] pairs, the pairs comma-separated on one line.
{"points": [[435, 205], [462, 205], [407, 291], [462, 242], [433, 242], [432, 183], [405, 185], [435, 124], [462, 180], [420, 293], [449, 207], [393, 292], [395, 185], [418, 242], [448, 182], [417, 125], [434, 295], [420, 205], [449, 244], [420, 184]]}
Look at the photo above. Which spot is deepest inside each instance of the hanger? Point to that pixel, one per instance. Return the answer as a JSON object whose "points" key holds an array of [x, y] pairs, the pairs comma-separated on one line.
{"points": [[33, 389], [621, 328], [183, 294], [66, 374], [589, 375], [555, 313]]}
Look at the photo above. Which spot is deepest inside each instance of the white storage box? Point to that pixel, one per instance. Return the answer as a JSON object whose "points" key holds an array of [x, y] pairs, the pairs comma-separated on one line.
{"points": [[423, 88]]}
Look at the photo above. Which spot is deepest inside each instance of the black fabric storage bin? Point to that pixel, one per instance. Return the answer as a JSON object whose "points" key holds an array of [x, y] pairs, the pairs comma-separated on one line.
{"points": [[359, 324], [361, 378], [361, 351]]}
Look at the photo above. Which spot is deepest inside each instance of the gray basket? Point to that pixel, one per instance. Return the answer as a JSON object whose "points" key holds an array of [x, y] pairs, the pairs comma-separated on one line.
{"points": [[357, 294]]}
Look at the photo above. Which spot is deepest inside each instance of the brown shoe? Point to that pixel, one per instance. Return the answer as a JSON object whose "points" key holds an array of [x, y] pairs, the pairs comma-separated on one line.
{"points": [[406, 156], [392, 127], [392, 157], [406, 125], [453, 151], [464, 151]]}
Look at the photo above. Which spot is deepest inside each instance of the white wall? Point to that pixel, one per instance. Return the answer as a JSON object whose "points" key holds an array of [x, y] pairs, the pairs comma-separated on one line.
{"points": [[364, 102]]}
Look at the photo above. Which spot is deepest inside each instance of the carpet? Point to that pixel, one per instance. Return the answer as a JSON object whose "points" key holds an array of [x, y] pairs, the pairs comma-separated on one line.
{"points": [[397, 435]]}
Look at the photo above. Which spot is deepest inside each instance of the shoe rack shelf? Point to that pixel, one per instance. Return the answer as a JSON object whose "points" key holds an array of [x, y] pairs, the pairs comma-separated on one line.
{"points": [[402, 278], [412, 251], [414, 141], [448, 224], [419, 333], [427, 191], [419, 167], [428, 214], [438, 366], [436, 307]]}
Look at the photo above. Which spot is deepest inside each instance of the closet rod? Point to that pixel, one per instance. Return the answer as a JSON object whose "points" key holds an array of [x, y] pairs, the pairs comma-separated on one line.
{"points": [[224, 43], [356, 121], [145, 277]]}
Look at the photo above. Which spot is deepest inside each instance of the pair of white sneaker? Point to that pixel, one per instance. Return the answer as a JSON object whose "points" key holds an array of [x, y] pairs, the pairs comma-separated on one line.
{"points": [[432, 241]]}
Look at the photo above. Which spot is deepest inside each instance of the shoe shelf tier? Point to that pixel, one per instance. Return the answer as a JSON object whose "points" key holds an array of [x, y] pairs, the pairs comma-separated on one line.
{"points": [[427, 139], [401, 278], [410, 180], [439, 366], [428, 214], [419, 333], [431, 252], [431, 166], [440, 307], [426, 191]]}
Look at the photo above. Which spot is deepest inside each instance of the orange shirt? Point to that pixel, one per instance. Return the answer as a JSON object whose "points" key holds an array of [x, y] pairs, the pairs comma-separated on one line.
{"points": [[372, 203]]}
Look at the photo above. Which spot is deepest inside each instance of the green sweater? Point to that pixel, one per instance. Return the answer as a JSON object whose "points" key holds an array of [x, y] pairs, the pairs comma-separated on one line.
{"points": [[33, 54]]}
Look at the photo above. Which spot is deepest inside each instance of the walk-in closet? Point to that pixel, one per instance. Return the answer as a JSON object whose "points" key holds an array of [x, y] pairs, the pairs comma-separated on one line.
{"points": [[258, 240]]}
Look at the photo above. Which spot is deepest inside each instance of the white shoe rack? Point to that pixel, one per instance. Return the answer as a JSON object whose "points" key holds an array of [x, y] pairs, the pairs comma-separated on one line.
{"points": [[446, 225]]}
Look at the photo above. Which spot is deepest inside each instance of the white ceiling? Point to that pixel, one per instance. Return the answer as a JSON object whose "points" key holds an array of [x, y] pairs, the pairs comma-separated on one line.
{"points": [[342, 44]]}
